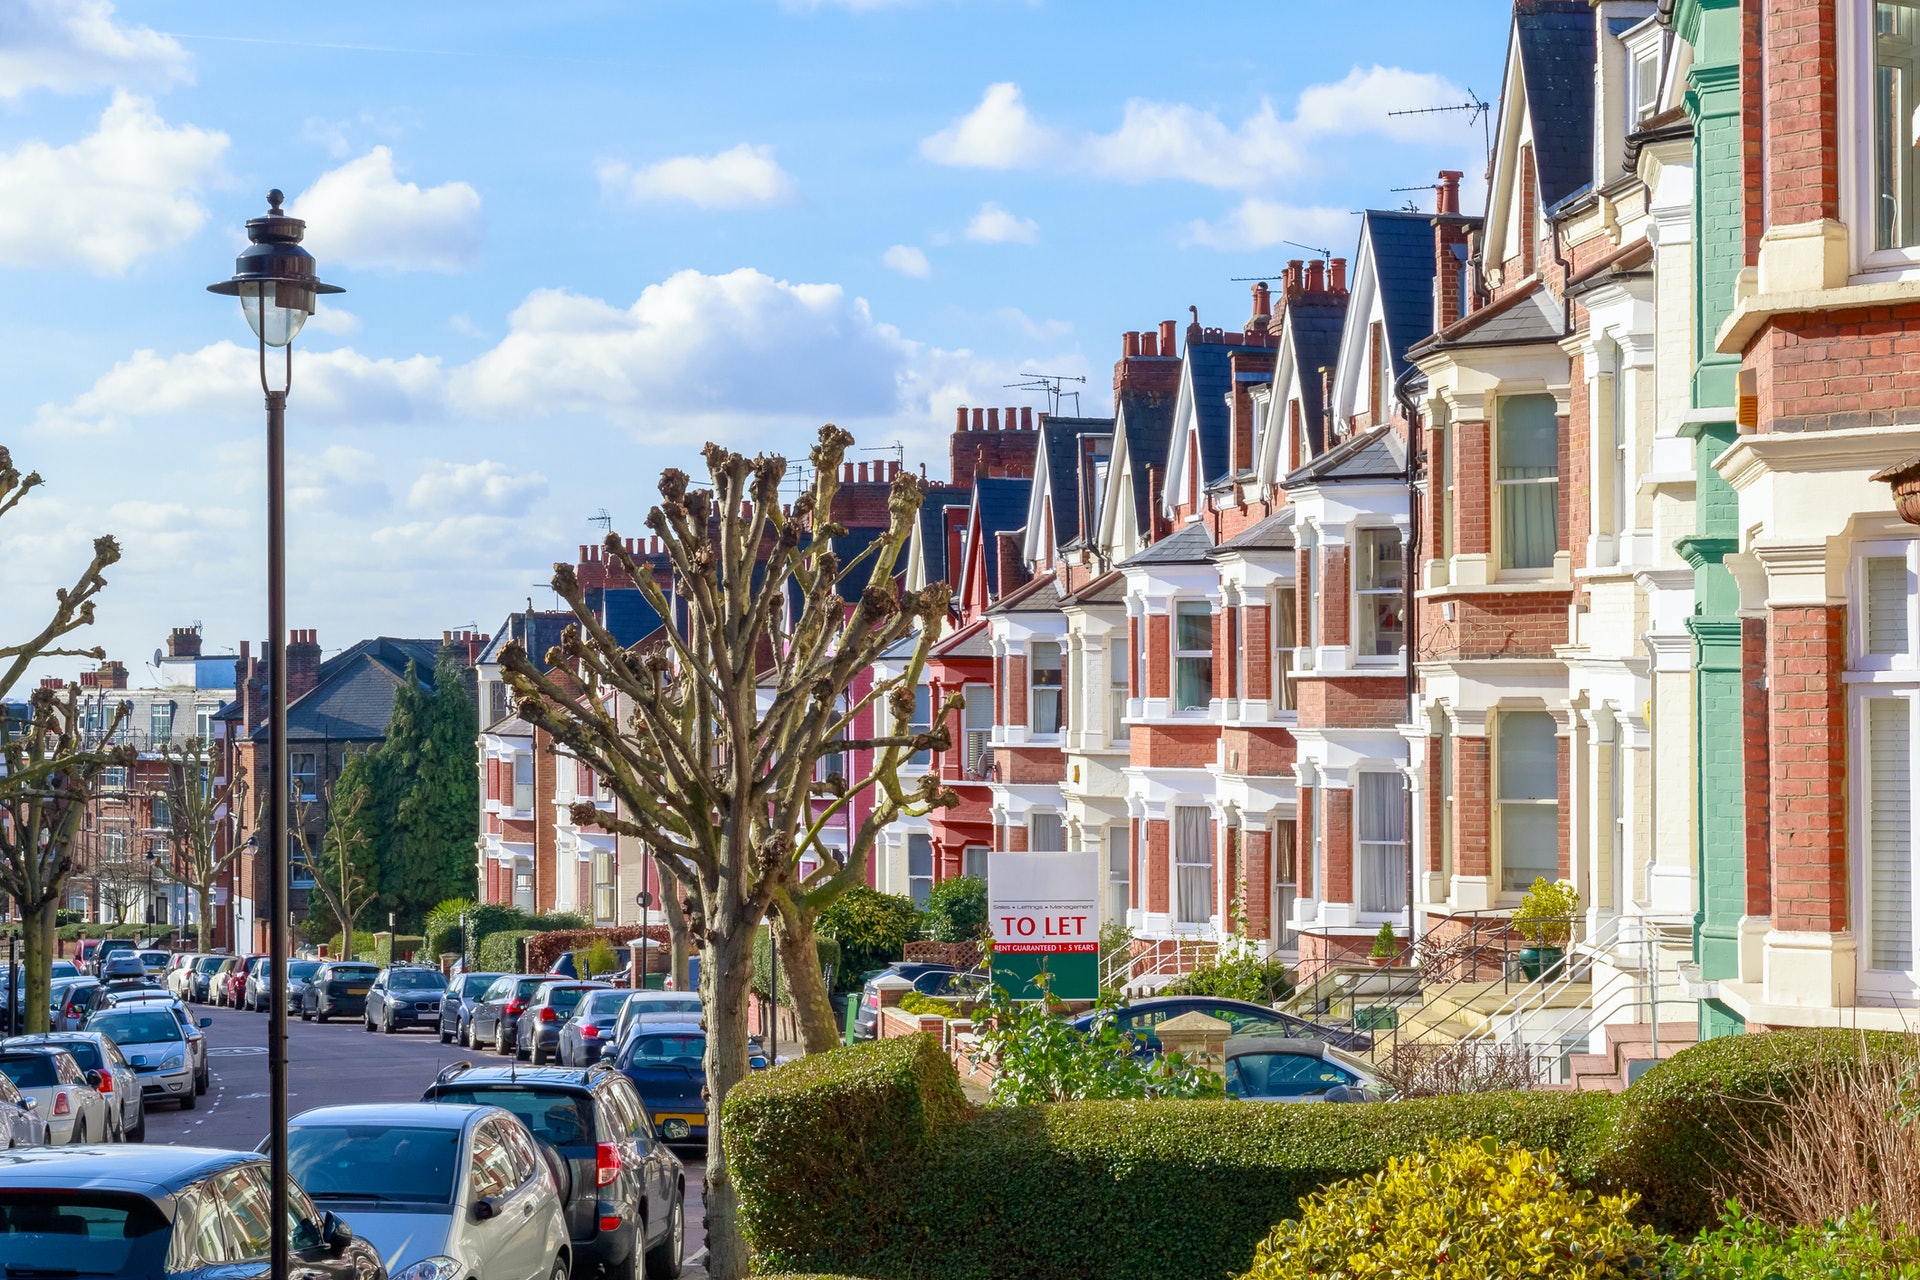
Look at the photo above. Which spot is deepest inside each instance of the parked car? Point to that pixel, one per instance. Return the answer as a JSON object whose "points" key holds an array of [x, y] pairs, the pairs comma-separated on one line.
{"points": [[927, 979], [217, 981], [405, 995], [75, 1111], [122, 964], [237, 979], [500, 1006], [536, 1036], [456, 1006], [589, 1032], [666, 1063], [163, 1211], [21, 1124], [464, 1190], [155, 1042], [106, 948], [110, 1073], [179, 970], [629, 1191], [193, 1027], [73, 1001], [198, 973], [1139, 1018], [299, 974], [567, 964], [338, 989], [157, 962], [1282, 1068], [683, 1006]]}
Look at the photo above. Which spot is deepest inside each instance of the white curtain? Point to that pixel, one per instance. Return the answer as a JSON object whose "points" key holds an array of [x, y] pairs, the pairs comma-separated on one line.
{"points": [[1381, 826], [1529, 470], [1193, 859], [1044, 833]]}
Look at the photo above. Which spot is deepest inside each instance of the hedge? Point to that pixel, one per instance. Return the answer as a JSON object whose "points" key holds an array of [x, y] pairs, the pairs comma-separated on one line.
{"points": [[500, 952], [1671, 1141], [388, 947], [825, 949], [867, 1160], [545, 947]]}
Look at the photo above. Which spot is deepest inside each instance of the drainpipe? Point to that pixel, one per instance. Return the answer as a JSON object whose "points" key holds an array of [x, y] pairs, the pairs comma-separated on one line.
{"points": [[1416, 462]]}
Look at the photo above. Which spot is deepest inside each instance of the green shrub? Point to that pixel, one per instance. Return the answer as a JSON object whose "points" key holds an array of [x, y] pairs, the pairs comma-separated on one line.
{"points": [[596, 960], [1462, 1208], [1851, 1249], [914, 1002], [1041, 1058], [442, 927], [556, 921], [1680, 1123], [1236, 973], [1158, 1190], [363, 946], [502, 952], [872, 928], [820, 1146], [389, 947], [824, 947], [957, 910]]}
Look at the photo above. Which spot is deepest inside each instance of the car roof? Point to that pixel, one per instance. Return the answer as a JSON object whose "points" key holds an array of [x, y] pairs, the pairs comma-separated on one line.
{"points": [[664, 1025], [39, 1050], [557, 1079], [51, 1039], [155, 1169], [419, 1115]]}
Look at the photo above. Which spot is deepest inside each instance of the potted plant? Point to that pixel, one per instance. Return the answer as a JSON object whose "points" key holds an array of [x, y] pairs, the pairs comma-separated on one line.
{"points": [[1545, 919], [1385, 946]]}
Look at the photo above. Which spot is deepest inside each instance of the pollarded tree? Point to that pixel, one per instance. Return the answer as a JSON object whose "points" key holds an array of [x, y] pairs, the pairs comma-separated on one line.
{"points": [[201, 808], [711, 737], [343, 870]]}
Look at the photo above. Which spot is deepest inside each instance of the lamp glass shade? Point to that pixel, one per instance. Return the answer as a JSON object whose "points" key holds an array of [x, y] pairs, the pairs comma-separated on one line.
{"points": [[275, 309]]}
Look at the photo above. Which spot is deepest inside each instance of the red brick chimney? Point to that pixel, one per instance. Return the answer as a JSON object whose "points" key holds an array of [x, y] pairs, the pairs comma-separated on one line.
{"points": [[252, 681], [303, 664], [1148, 362], [183, 642], [1293, 278], [996, 446], [111, 674], [1337, 276], [1167, 338], [1452, 299], [1316, 276]]}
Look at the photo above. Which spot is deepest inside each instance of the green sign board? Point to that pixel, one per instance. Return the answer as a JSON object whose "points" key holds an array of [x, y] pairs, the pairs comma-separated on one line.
{"points": [[1071, 975]]}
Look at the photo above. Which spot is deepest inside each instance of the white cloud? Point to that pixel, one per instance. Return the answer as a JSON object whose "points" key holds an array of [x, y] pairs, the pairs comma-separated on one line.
{"points": [[908, 261], [485, 485], [1035, 330], [361, 215], [738, 178], [994, 225], [70, 46], [1158, 141], [329, 319], [343, 480], [127, 190], [340, 387], [1261, 224], [736, 347]]}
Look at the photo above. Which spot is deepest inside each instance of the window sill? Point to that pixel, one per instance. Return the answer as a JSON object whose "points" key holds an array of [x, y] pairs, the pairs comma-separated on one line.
{"points": [[1500, 587]]}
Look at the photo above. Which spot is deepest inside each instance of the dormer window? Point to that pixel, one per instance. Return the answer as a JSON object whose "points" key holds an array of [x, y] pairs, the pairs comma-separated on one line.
{"points": [[1644, 84]]}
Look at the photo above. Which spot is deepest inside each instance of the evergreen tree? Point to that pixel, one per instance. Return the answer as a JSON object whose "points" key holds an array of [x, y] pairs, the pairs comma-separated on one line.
{"points": [[438, 814]]}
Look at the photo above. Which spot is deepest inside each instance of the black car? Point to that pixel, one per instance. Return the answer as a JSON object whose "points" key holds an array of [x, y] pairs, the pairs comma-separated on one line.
{"points": [[456, 1006], [98, 960], [537, 1035], [927, 979], [405, 995], [628, 1190], [203, 970], [497, 1012], [1139, 1018], [162, 1210], [338, 990]]}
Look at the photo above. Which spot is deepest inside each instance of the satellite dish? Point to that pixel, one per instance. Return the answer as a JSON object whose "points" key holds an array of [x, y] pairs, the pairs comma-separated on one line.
{"points": [[157, 655]]}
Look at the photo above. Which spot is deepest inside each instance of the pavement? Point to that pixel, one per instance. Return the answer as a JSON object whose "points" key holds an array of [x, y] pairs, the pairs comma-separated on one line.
{"points": [[327, 1066]]}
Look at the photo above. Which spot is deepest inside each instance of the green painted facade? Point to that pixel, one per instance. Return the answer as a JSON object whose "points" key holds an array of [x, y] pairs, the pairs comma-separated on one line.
{"points": [[1712, 28]]}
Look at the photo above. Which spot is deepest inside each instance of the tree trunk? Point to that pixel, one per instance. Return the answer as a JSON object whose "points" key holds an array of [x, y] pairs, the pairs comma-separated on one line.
{"points": [[203, 927], [679, 946], [726, 969], [38, 942], [806, 984]]}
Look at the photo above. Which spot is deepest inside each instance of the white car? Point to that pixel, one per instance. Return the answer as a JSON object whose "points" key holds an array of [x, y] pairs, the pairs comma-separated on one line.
{"points": [[194, 1027], [73, 1109], [107, 1069], [179, 975], [442, 1190], [669, 1006], [156, 1044], [20, 1122]]}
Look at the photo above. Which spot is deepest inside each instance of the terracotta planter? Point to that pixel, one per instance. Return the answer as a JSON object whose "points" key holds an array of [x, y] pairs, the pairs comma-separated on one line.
{"points": [[1379, 962], [1904, 479]]}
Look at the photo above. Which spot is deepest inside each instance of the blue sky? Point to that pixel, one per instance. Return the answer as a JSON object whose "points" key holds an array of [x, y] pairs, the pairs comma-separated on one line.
{"points": [[578, 239]]}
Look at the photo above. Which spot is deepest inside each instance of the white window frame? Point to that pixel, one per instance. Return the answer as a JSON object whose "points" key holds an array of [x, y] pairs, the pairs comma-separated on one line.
{"points": [[1497, 506], [1496, 729], [1283, 622], [1858, 657], [1035, 689], [517, 785], [1179, 655], [1854, 98], [1119, 855], [921, 722], [1059, 819], [1877, 984], [916, 878], [1361, 890], [976, 756], [976, 860], [1359, 594], [1118, 659], [1176, 900], [310, 775]]}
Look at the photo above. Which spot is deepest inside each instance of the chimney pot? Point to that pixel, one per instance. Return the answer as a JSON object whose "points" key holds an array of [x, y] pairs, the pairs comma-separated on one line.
{"points": [[846, 473], [979, 419], [1012, 419], [1167, 338], [1295, 274], [993, 419], [1316, 276], [1149, 345], [863, 473], [960, 418], [1129, 344], [1262, 299], [1337, 276], [1026, 417], [1447, 199]]}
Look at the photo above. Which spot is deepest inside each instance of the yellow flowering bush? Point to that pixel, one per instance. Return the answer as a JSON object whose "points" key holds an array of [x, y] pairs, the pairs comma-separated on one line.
{"points": [[1460, 1211]]}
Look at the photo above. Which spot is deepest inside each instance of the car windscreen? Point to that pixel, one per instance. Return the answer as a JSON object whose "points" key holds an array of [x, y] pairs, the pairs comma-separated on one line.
{"points": [[301, 970], [1282, 1075], [683, 1005], [84, 1052], [207, 964], [604, 1004], [30, 1071], [475, 985], [563, 1119], [374, 1162], [137, 1026], [81, 1233], [653, 1049], [351, 973], [565, 998], [527, 986], [416, 980]]}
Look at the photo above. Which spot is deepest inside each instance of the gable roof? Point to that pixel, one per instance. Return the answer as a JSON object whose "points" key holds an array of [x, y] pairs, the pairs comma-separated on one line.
{"points": [[1529, 314], [1146, 420], [1209, 379], [1060, 454], [1275, 533], [1187, 545], [1311, 335], [537, 630], [1376, 454], [934, 505], [1402, 245], [353, 700], [1000, 506], [1109, 588], [1555, 40], [1038, 596]]}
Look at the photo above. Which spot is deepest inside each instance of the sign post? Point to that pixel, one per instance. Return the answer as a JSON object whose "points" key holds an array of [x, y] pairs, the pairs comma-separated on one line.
{"points": [[1045, 913]]}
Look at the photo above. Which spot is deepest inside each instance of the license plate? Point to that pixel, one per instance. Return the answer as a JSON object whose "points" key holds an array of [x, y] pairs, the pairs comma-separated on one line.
{"points": [[357, 991]]}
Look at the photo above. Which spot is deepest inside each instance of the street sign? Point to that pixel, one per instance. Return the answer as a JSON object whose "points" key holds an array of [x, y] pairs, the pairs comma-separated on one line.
{"points": [[1045, 912]]}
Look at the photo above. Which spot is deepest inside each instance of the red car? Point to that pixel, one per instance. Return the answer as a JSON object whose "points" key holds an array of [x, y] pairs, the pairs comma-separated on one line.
{"points": [[235, 984]]}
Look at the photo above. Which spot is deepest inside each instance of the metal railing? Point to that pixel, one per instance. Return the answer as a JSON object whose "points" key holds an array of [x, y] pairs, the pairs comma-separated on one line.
{"points": [[1162, 957]]}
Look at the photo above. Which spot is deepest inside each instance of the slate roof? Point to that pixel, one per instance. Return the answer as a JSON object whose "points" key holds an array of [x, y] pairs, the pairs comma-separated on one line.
{"points": [[972, 643], [1003, 508], [537, 630], [1188, 545], [1529, 314], [1403, 266], [1061, 440], [1379, 454], [353, 700], [1556, 41], [1108, 589], [1037, 596], [510, 725], [1212, 378], [1146, 420], [933, 534], [1313, 327], [1275, 533]]}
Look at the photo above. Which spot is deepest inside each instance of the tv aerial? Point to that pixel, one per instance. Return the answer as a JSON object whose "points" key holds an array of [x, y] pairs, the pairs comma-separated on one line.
{"points": [[1475, 108], [1054, 385], [603, 518]]}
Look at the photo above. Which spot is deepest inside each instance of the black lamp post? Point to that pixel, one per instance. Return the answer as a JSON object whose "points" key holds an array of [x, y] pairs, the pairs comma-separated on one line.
{"points": [[275, 282]]}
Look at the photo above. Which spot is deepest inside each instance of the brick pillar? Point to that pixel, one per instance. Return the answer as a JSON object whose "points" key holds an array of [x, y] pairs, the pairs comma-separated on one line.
{"points": [[1803, 117], [1807, 768], [1159, 854], [1224, 656], [1016, 689], [1159, 683], [1755, 761], [1473, 808], [1257, 643], [1339, 847], [1334, 614], [1256, 902], [1303, 841], [1472, 495], [1435, 801], [1016, 838]]}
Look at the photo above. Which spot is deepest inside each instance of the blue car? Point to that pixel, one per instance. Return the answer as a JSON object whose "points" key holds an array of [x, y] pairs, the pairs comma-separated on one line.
{"points": [[666, 1061]]}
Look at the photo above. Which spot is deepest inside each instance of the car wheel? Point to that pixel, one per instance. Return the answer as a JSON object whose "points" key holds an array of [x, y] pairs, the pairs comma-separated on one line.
{"points": [[319, 1017], [305, 1016], [537, 1053], [189, 1100], [366, 1020], [446, 1036], [386, 1023], [663, 1260], [79, 1137], [500, 1045], [559, 1269]]}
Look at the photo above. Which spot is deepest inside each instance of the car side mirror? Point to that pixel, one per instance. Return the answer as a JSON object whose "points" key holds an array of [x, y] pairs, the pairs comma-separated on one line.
{"points": [[205, 1023], [483, 1210], [31, 1104], [335, 1233], [93, 1079]]}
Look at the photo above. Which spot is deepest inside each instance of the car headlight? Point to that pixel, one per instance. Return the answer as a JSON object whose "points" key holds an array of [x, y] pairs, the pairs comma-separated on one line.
{"points": [[174, 1060], [441, 1268]]}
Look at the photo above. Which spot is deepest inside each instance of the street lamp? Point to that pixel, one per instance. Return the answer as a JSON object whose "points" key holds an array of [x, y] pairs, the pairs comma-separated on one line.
{"points": [[275, 281]]}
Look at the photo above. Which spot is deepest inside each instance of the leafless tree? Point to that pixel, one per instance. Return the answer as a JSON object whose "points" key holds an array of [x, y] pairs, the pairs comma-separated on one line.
{"points": [[201, 810]]}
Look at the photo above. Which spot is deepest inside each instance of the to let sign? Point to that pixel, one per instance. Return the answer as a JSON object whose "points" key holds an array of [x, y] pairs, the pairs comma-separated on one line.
{"points": [[1044, 910]]}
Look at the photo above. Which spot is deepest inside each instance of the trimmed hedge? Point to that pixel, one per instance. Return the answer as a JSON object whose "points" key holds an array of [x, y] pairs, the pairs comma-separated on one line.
{"points": [[546, 946], [500, 952], [1672, 1137], [388, 947], [825, 949], [866, 1160]]}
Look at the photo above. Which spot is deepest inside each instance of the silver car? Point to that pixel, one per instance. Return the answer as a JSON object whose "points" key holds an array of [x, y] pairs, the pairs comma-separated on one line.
{"points": [[109, 1071], [194, 1027], [156, 1044], [61, 1094], [673, 1006], [443, 1191]]}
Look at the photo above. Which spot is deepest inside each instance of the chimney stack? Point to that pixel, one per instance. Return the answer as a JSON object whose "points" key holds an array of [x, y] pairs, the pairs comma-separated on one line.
{"points": [[183, 642], [111, 674], [1295, 275], [303, 664]]}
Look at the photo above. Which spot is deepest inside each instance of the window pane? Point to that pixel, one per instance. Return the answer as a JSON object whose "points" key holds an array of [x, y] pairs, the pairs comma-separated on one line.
{"points": [[922, 722], [919, 855], [1119, 867], [1887, 604], [1044, 832], [1529, 756], [973, 861], [1045, 686], [1193, 683], [1380, 821], [1529, 464], [1529, 845], [1890, 832], [1193, 622], [1193, 859], [1896, 61]]}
